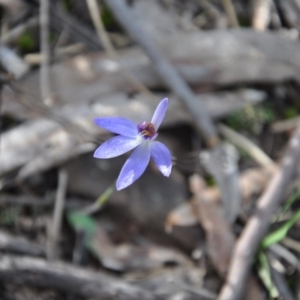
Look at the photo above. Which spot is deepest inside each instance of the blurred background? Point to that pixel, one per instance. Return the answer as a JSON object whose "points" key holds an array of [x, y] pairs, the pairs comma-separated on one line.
{"points": [[230, 69]]}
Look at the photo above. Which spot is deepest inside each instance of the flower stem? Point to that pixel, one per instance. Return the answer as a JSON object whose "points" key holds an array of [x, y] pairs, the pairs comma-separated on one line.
{"points": [[100, 201]]}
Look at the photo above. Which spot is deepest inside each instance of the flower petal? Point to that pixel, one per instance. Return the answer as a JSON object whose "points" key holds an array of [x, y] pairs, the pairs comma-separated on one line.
{"points": [[118, 125], [159, 113], [135, 166], [162, 157], [116, 146]]}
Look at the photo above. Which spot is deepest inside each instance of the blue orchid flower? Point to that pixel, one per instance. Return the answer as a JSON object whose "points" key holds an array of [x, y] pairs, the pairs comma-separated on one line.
{"points": [[142, 137]]}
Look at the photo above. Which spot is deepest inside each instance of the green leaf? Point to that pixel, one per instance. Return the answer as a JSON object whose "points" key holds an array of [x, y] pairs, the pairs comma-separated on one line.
{"points": [[79, 221], [26, 42], [265, 275], [280, 233], [68, 5], [107, 16], [291, 112]]}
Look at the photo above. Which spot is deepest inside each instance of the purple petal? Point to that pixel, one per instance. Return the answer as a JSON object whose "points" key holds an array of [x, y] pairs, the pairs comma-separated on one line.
{"points": [[159, 113], [162, 157], [118, 125], [134, 167], [116, 146]]}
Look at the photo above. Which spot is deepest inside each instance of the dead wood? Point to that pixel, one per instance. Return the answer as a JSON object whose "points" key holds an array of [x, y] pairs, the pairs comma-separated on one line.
{"points": [[258, 224], [261, 14], [210, 58], [290, 10], [66, 278], [19, 245], [49, 144]]}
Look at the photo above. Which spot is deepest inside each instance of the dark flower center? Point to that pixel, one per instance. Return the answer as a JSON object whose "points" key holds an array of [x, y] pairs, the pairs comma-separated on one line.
{"points": [[146, 130]]}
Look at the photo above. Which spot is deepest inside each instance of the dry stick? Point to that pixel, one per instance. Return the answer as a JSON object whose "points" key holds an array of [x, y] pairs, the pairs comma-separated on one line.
{"points": [[80, 32], [54, 234], [109, 48], [258, 224], [291, 244], [248, 146], [286, 254], [285, 125], [167, 72], [279, 280], [67, 278], [281, 285], [36, 58], [210, 8], [261, 14], [15, 33], [230, 11], [45, 50]]}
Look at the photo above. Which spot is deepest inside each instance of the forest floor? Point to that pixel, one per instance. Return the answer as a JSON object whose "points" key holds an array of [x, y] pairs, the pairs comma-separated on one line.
{"points": [[225, 224]]}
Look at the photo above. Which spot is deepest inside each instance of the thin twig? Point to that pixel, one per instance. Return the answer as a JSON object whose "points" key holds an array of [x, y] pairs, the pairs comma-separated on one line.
{"points": [[261, 14], [283, 252], [258, 224], [109, 48], [77, 30], [165, 69], [45, 50], [55, 230], [279, 281], [94, 11], [240, 141], [36, 58], [290, 243], [15, 33], [210, 8], [230, 11], [285, 125]]}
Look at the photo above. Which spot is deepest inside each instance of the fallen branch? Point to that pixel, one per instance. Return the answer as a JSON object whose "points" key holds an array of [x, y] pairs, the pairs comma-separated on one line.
{"points": [[258, 224], [66, 278], [45, 51], [230, 11], [19, 245], [55, 227], [17, 31], [261, 14], [31, 140], [166, 70]]}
